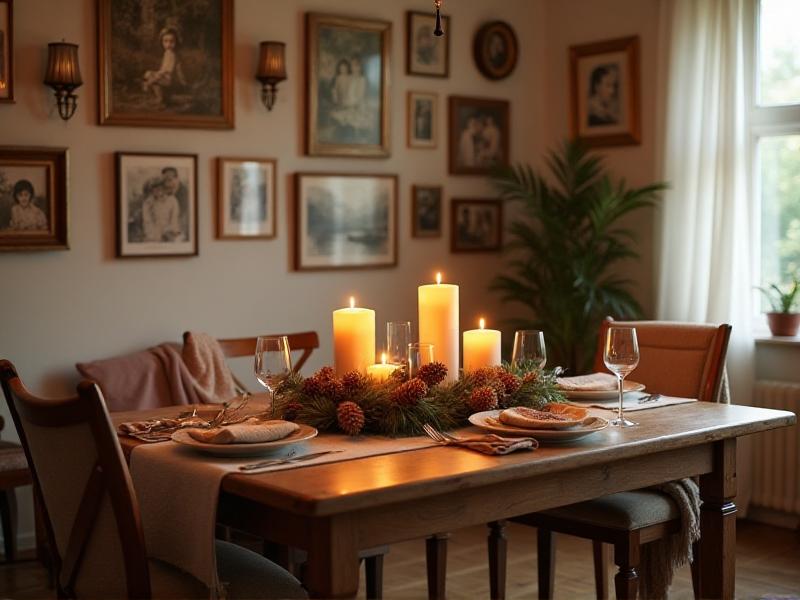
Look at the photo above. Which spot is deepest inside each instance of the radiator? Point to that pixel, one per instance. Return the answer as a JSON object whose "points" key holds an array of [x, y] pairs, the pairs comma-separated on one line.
{"points": [[776, 453]]}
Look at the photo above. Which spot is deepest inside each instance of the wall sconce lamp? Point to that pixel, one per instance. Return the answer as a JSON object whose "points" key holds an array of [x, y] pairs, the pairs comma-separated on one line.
{"points": [[271, 70], [64, 76]]}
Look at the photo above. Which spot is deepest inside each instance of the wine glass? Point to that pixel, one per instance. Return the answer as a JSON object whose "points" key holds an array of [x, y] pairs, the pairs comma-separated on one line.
{"points": [[621, 356], [529, 348], [418, 355], [273, 363], [398, 335]]}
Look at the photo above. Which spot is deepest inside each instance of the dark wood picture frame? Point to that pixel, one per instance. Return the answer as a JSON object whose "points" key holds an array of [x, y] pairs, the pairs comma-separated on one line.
{"points": [[7, 50], [630, 96], [272, 204], [56, 161], [298, 263], [119, 195], [503, 108], [411, 140], [446, 24], [482, 50], [107, 114], [457, 246], [416, 232], [315, 147]]}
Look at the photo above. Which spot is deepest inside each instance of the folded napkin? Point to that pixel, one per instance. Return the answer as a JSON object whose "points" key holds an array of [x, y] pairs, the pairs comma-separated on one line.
{"points": [[630, 402], [251, 431], [493, 444], [594, 382]]}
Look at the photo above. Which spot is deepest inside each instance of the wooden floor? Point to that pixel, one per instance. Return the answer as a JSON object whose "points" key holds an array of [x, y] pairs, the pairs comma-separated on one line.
{"points": [[768, 567]]}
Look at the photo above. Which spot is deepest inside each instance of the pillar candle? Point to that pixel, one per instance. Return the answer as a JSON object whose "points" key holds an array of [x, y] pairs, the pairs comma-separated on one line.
{"points": [[353, 339], [438, 323], [381, 371], [481, 348]]}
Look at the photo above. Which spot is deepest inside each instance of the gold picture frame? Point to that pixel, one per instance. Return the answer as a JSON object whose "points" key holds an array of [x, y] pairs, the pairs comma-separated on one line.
{"points": [[422, 120], [246, 198]]}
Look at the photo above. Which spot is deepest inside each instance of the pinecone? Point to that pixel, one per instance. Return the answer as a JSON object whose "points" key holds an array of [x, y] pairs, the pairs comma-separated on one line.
{"points": [[291, 411], [353, 382], [482, 398], [488, 377], [410, 392], [432, 374], [350, 418], [400, 374], [532, 376], [324, 383], [510, 381]]}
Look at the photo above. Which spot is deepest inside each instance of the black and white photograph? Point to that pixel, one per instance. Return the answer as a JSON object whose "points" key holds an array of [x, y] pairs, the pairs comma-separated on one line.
{"points": [[165, 63], [6, 51], [604, 92], [246, 198], [345, 221], [479, 135], [426, 207], [495, 50], [33, 198], [423, 120], [348, 70], [156, 204], [427, 54], [476, 225]]}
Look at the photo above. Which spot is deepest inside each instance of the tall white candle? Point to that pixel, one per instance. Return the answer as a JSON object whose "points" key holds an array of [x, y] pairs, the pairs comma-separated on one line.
{"points": [[353, 339], [438, 323], [482, 348]]}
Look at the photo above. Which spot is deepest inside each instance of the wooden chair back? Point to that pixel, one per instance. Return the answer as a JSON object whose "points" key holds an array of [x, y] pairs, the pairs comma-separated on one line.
{"points": [[676, 359], [305, 342], [91, 515]]}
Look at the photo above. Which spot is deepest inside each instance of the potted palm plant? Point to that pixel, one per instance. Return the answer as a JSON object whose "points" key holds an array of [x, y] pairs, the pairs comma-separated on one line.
{"points": [[566, 250], [783, 321]]}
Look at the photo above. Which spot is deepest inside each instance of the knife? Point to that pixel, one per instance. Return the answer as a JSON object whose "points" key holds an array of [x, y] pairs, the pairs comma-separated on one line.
{"points": [[283, 461]]}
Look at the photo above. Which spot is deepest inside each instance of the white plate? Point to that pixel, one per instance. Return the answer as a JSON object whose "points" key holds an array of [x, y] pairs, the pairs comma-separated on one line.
{"points": [[304, 433], [590, 425], [629, 386]]}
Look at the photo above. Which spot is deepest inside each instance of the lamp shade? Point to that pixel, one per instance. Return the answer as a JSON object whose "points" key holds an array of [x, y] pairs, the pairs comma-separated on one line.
{"points": [[63, 69], [272, 62]]}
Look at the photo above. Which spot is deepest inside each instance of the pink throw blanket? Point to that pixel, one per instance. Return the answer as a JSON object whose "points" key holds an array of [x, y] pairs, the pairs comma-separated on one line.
{"points": [[206, 363]]}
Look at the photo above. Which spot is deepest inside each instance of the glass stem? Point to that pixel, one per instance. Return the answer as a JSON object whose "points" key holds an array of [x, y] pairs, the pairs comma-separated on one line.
{"points": [[621, 378], [272, 403]]}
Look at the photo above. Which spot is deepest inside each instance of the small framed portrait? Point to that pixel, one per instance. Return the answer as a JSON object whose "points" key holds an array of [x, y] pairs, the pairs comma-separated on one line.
{"points": [[347, 86], [166, 64], [156, 204], [345, 221], [33, 198], [6, 51], [604, 92], [426, 209], [479, 135], [246, 198], [476, 226], [423, 120], [427, 54], [495, 50]]}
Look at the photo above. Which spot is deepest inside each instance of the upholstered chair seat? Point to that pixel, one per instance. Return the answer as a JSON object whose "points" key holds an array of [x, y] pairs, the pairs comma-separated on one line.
{"points": [[625, 510]]}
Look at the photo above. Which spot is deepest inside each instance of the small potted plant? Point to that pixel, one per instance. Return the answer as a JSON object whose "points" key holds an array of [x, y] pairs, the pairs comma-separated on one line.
{"points": [[783, 321]]}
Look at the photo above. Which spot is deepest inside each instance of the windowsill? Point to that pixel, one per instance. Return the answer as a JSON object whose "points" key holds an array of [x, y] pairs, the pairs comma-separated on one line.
{"points": [[769, 340]]}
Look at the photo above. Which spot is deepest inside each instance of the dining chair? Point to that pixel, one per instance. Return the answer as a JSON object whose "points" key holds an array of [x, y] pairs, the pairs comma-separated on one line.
{"points": [[305, 342], [676, 359], [14, 473], [91, 514]]}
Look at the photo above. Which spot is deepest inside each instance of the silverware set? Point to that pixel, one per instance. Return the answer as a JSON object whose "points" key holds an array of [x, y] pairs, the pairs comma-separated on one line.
{"points": [[287, 460], [649, 398]]}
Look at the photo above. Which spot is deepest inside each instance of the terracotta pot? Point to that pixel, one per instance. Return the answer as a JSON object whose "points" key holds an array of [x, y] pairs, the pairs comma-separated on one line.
{"points": [[783, 324]]}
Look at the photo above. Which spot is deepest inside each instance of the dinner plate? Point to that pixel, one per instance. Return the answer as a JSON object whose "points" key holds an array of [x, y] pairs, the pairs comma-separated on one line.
{"points": [[589, 426], [629, 386], [305, 432]]}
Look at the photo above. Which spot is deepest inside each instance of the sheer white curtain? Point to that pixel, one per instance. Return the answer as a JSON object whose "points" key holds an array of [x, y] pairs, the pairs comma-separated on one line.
{"points": [[707, 224]]}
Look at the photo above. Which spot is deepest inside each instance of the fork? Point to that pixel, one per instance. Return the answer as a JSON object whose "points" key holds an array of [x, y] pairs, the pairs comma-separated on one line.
{"points": [[439, 436]]}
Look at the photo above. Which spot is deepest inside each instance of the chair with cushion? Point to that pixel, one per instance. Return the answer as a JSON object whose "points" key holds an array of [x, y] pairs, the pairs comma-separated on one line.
{"points": [[13, 474], [676, 359], [91, 514]]}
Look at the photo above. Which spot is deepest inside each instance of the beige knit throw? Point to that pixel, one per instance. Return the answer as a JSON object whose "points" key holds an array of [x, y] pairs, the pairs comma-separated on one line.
{"points": [[660, 558], [206, 363]]}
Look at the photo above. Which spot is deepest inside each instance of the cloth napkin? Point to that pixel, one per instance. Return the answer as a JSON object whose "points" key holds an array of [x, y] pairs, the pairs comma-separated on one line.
{"points": [[251, 431], [588, 383], [493, 444], [630, 402]]}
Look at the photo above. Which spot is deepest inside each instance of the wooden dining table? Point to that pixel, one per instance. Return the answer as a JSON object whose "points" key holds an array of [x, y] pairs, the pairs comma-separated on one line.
{"points": [[335, 510]]}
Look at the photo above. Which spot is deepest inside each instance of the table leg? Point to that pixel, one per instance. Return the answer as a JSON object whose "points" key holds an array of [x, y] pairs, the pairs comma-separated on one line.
{"points": [[332, 567], [718, 524]]}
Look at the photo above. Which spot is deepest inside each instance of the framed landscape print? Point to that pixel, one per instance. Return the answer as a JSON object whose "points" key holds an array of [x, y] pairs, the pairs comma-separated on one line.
{"points": [[347, 86], [166, 64], [33, 198], [426, 211], [476, 226], [345, 221], [495, 50], [427, 54], [479, 135], [246, 198], [604, 92], [6, 51], [156, 204], [423, 120]]}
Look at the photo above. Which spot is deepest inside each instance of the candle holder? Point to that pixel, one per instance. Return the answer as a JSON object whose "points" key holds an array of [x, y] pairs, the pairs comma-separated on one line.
{"points": [[419, 355], [398, 337]]}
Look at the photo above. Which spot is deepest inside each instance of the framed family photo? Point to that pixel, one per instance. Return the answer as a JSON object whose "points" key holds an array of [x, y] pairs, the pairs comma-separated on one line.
{"points": [[495, 50], [6, 51], [479, 135], [246, 198], [156, 204], [604, 92], [345, 221], [427, 54], [166, 64], [426, 211], [347, 86], [423, 120], [476, 225], [33, 199]]}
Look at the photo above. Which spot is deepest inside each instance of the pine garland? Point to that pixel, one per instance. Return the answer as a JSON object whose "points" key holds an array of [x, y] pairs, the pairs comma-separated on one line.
{"points": [[400, 406]]}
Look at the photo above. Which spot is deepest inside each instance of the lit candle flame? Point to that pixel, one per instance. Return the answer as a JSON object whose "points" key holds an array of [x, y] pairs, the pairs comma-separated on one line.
{"points": [[383, 358], [438, 279], [352, 302], [482, 323]]}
